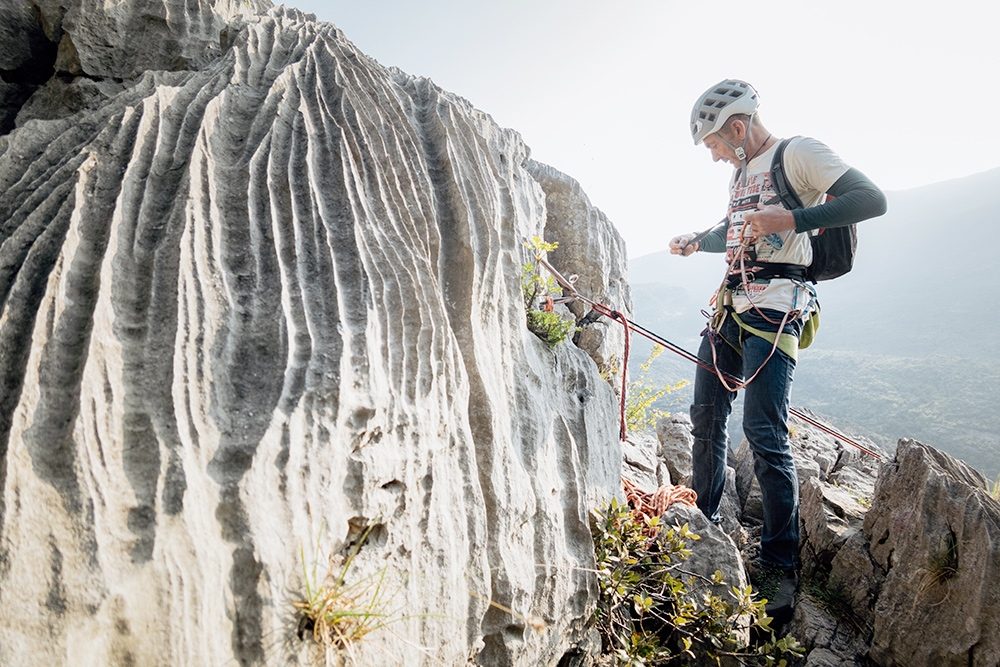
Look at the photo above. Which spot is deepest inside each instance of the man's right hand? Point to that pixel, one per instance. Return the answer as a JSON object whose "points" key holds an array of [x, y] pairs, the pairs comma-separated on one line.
{"points": [[681, 245]]}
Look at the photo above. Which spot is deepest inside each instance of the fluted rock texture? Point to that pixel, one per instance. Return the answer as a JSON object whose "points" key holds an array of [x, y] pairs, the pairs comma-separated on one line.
{"points": [[255, 310]]}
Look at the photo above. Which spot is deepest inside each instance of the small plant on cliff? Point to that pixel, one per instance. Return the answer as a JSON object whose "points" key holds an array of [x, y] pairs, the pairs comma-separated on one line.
{"points": [[640, 415], [537, 291], [942, 564], [651, 613], [995, 489], [337, 611]]}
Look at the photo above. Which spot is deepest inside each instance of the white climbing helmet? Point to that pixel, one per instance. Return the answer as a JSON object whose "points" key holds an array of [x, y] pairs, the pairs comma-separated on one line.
{"points": [[718, 103]]}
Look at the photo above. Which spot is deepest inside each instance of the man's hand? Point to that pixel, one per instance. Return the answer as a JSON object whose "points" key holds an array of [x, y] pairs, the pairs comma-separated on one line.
{"points": [[769, 220], [681, 245]]}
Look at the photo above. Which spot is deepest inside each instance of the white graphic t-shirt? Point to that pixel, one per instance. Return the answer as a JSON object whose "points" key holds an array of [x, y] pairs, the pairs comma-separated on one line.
{"points": [[810, 168]]}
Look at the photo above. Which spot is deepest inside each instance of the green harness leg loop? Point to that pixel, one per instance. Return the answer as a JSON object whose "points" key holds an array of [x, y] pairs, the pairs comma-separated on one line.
{"points": [[787, 343]]}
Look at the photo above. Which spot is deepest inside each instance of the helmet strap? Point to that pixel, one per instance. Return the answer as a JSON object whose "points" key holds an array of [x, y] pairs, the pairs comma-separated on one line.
{"points": [[741, 150]]}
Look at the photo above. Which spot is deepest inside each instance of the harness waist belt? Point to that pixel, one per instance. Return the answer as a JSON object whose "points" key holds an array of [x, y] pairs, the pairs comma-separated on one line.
{"points": [[768, 271]]}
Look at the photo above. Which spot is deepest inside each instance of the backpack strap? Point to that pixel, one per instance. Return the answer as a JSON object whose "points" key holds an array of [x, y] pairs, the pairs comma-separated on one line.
{"points": [[785, 192]]}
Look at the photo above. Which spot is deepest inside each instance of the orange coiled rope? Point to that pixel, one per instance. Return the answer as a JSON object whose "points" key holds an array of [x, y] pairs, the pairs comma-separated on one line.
{"points": [[656, 503]]}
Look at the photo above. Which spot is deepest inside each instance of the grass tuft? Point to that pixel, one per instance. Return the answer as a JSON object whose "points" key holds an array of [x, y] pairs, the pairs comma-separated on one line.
{"points": [[338, 611]]}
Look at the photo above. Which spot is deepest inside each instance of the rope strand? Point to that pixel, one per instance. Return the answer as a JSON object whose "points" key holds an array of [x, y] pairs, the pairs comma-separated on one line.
{"points": [[685, 354]]}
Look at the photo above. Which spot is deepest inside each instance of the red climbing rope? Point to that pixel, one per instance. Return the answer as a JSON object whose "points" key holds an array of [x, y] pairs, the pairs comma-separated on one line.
{"points": [[615, 315], [630, 326]]}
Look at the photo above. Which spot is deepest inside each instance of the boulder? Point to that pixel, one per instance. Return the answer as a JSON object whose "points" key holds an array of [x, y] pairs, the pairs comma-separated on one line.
{"points": [[934, 531], [714, 551], [641, 465], [828, 515], [829, 640], [676, 441], [855, 580]]}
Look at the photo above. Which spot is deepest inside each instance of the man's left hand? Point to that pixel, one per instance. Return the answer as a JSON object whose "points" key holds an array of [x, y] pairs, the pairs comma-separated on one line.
{"points": [[769, 220]]}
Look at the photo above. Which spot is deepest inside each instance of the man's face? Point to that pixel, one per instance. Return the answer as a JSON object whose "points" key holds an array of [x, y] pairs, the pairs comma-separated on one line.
{"points": [[720, 151]]}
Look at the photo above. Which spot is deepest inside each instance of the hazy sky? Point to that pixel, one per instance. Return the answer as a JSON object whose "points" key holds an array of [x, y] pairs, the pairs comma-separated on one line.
{"points": [[906, 92]]}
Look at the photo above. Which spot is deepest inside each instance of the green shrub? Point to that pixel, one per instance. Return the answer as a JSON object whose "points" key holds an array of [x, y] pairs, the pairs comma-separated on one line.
{"points": [[552, 327], [549, 326], [650, 613]]}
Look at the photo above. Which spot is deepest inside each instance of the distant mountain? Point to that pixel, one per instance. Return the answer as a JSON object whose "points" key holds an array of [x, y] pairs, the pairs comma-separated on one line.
{"points": [[908, 345]]}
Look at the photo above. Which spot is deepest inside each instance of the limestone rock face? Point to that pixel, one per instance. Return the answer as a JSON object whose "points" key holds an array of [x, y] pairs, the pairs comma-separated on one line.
{"points": [[93, 45], [934, 531], [255, 311], [596, 263], [122, 40], [912, 581]]}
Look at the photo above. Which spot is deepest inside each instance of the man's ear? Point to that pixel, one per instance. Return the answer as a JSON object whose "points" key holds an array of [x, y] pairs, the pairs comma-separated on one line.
{"points": [[733, 132], [739, 130]]}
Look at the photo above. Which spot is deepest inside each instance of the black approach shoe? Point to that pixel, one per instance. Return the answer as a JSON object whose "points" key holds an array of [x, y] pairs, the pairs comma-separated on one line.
{"points": [[778, 588]]}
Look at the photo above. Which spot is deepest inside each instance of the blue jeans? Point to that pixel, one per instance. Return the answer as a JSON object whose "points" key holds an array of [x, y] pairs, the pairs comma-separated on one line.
{"points": [[765, 425]]}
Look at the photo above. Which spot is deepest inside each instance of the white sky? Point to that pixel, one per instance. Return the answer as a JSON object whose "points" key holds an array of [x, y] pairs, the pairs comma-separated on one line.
{"points": [[904, 91]]}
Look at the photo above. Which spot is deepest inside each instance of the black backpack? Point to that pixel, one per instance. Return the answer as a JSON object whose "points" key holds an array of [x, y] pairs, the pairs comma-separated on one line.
{"points": [[833, 248]]}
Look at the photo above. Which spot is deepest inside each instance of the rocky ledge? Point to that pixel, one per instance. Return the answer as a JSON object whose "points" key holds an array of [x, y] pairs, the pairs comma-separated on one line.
{"points": [[899, 557]]}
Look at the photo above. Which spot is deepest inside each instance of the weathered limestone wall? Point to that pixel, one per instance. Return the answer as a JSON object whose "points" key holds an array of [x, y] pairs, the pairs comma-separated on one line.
{"points": [[248, 312]]}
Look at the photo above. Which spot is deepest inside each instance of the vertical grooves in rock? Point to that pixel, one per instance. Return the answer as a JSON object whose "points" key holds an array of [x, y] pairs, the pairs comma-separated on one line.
{"points": [[36, 219], [24, 277], [454, 274], [270, 302]]}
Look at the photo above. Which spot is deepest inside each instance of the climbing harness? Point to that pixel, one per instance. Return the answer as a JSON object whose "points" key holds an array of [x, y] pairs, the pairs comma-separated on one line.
{"points": [[779, 340], [569, 286]]}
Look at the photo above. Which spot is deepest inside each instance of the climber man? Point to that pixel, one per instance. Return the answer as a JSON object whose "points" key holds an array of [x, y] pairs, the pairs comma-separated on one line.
{"points": [[767, 248]]}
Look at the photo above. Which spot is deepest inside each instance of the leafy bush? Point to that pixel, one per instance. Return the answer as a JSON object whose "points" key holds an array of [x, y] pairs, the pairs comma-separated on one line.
{"points": [[551, 327], [548, 325], [651, 614], [640, 415]]}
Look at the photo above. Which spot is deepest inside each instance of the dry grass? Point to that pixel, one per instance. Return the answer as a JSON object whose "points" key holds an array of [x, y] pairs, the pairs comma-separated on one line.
{"points": [[337, 611], [942, 565]]}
